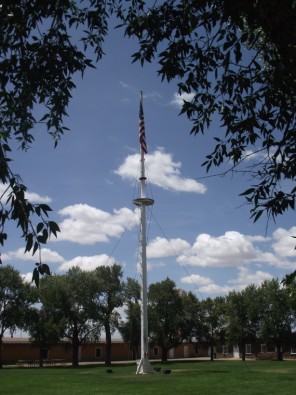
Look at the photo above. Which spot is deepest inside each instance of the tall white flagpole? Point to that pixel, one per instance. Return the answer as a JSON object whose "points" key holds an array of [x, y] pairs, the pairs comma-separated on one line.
{"points": [[144, 365]]}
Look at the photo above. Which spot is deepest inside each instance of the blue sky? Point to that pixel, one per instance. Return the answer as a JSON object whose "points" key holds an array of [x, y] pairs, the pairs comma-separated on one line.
{"points": [[199, 231]]}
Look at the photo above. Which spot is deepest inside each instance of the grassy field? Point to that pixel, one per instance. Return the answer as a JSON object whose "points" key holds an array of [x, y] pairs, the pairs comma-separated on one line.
{"points": [[186, 378]]}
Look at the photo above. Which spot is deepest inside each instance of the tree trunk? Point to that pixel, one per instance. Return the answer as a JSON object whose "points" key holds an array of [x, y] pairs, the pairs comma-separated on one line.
{"points": [[164, 354], [135, 352], [279, 352], [41, 356], [243, 351], [212, 346], [75, 348], [108, 343]]}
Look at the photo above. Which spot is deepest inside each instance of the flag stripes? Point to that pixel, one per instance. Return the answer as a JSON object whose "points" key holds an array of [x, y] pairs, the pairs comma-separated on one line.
{"points": [[142, 137]]}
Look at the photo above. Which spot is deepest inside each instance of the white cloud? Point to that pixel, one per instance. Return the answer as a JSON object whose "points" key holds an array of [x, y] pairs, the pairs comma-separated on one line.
{"points": [[87, 263], [214, 289], [124, 85], [230, 249], [246, 277], [48, 256], [89, 225], [150, 266], [196, 279], [27, 278], [161, 171], [33, 197], [178, 100], [284, 244], [155, 96], [161, 247]]}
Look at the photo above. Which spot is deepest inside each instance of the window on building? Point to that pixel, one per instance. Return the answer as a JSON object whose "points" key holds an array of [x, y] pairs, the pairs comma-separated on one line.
{"points": [[155, 351], [225, 349], [98, 352], [293, 350], [248, 349], [263, 348]]}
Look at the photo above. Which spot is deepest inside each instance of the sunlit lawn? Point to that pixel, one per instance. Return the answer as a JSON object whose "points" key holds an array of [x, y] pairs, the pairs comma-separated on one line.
{"points": [[186, 378]]}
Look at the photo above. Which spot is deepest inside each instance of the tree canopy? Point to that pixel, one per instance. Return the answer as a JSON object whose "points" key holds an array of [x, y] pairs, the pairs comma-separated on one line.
{"points": [[16, 297], [39, 58], [235, 59]]}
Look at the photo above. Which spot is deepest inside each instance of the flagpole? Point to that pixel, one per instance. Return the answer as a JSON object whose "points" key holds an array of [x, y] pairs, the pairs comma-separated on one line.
{"points": [[144, 365]]}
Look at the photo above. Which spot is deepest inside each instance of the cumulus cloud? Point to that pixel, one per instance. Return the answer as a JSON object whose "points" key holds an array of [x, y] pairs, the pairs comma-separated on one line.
{"points": [[245, 277], [150, 266], [178, 100], [48, 256], [230, 249], [196, 279], [27, 278], [161, 171], [33, 197], [87, 263], [215, 289], [284, 244], [88, 225], [161, 247]]}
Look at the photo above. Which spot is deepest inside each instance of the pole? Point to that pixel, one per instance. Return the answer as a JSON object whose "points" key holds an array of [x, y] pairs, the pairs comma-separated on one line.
{"points": [[144, 365]]}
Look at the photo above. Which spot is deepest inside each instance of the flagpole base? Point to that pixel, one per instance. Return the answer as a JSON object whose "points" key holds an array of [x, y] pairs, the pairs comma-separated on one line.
{"points": [[144, 366]]}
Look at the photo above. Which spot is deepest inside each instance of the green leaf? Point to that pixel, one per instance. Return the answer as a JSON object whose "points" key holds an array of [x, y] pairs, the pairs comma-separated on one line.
{"points": [[258, 215], [35, 277], [54, 227], [29, 243], [247, 192], [45, 269], [40, 226]]}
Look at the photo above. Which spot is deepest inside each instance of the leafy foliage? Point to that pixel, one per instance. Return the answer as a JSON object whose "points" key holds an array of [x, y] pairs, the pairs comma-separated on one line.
{"points": [[15, 300], [108, 296], [212, 322], [39, 57], [68, 299], [169, 323], [130, 328], [242, 317], [277, 314], [238, 61]]}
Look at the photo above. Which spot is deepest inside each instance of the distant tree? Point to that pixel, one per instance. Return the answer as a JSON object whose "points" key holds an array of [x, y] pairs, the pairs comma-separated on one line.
{"points": [[44, 330], [213, 321], [130, 327], [290, 282], [108, 297], [68, 299], [238, 61], [278, 314], [15, 300], [167, 321], [242, 317], [191, 324]]}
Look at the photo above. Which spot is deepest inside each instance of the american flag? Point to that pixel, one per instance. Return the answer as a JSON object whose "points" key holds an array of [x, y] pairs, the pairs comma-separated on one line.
{"points": [[142, 137]]}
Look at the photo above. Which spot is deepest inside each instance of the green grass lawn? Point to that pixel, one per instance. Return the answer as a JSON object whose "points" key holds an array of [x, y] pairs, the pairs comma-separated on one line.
{"points": [[186, 378]]}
